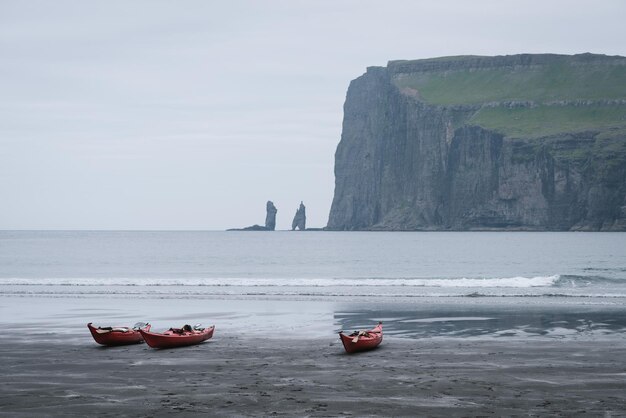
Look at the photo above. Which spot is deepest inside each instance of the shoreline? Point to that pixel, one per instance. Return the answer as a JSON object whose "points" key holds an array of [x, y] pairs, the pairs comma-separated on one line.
{"points": [[462, 357], [252, 376], [31, 317], [464, 318]]}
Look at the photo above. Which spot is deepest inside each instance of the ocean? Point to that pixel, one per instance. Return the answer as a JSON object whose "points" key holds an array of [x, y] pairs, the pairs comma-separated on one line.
{"points": [[421, 284]]}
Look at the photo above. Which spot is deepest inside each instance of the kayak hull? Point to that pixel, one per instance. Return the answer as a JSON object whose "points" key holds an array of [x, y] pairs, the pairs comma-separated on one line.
{"points": [[170, 339], [363, 343], [116, 337]]}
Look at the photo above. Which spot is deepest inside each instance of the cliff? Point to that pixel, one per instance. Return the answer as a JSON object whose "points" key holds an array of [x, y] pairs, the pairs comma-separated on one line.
{"points": [[534, 142]]}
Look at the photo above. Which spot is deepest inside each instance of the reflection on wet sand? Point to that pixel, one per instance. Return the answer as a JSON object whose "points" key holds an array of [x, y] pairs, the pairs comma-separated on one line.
{"points": [[456, 322]]}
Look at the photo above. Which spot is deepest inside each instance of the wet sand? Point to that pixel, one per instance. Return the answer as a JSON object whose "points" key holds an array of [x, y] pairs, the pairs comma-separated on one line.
{"points": [[249, 376]]}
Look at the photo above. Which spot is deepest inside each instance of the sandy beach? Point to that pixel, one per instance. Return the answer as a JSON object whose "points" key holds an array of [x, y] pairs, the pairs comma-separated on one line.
{"points": [[241, 376], [469, 329]]}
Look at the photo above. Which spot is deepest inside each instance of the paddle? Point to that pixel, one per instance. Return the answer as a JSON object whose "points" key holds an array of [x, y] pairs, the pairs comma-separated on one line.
{"points": [[360, 334], [106, 330], [363, 334], [120, 329]]}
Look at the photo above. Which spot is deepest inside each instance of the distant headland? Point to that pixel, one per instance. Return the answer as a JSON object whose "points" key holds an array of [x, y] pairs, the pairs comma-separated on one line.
{"points": [[516, 142]]}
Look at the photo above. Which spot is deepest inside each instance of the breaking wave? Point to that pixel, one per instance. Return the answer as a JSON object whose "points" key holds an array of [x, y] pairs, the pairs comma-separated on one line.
{"points": [[503, 282]]}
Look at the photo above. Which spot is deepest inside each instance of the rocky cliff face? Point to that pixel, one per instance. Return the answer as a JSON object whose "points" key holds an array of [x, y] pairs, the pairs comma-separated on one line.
{"points": [[518, 142]]}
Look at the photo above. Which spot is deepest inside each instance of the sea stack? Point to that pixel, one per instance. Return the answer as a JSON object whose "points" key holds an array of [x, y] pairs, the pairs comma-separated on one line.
{"points": [[299, 221], [270, 218]]}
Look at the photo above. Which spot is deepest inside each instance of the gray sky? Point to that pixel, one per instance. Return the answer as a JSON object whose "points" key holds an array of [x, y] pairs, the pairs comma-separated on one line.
{"points": [[191, 115]]}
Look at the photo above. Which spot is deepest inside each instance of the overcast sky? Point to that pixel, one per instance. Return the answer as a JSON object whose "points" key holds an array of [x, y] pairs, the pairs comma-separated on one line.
{"points": [[192, 114]]}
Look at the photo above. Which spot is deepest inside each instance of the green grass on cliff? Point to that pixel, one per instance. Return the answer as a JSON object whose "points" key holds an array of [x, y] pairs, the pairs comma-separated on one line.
{"points": [[553, 82], [568, 93], [549, 120]]}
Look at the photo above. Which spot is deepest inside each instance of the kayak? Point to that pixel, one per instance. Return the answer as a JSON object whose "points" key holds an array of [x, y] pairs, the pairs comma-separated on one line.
{"points": [[118, 335], [362, 340], [177, 337]]}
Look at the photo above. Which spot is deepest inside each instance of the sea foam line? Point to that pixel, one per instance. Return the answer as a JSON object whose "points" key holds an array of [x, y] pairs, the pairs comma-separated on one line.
{"points": [[509, 282]]}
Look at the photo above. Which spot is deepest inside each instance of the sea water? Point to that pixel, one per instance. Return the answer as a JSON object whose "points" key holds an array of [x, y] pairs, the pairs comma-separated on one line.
{"points": [[420, 283]]}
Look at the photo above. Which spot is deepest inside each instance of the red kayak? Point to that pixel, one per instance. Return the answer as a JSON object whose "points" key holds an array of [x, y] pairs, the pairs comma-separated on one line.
{"points": [[178, 337], [118, 335], [362, 340]]}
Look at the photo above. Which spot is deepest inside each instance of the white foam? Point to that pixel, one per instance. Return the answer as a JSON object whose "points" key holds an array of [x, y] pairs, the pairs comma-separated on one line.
{"points": [[449, 319], [506, 282]]}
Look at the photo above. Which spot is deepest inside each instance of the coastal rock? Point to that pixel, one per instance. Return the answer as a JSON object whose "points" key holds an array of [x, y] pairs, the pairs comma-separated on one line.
{"points": [[270, 220], [299, 220], [270, 217], [254, 227], [426, 146]]}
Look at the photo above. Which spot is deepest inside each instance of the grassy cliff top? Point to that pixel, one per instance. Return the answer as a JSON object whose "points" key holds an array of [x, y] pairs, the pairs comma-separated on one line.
{"points": [[568, 92], [543, 79], [540, 121]]}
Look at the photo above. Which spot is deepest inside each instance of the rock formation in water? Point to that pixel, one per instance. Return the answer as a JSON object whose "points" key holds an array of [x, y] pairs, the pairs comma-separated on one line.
{"points": [[534, 142], [299, 221], [270, 217], [255, 227], [270, 220]]}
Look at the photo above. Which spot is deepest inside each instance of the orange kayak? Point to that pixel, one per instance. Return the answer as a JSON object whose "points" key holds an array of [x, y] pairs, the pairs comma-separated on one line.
{"points": [[362, 340], [177, 337], [111, 336]]}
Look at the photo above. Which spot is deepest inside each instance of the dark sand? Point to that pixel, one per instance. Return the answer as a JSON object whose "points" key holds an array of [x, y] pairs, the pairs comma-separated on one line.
{"points": [[260, 377]]}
